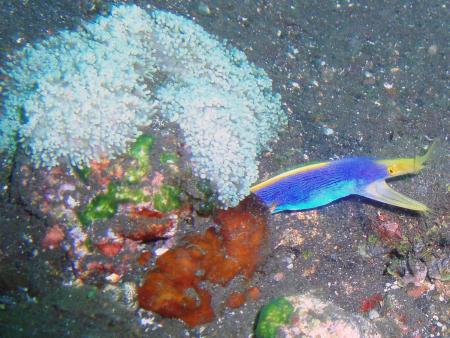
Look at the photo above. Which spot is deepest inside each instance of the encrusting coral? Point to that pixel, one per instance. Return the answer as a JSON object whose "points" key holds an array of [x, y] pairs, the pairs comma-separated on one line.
{"points": [[88, 94]]}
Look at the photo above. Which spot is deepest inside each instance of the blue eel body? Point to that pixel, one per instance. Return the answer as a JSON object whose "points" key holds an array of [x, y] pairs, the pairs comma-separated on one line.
{"points": [[315, 185], [323, 185]]}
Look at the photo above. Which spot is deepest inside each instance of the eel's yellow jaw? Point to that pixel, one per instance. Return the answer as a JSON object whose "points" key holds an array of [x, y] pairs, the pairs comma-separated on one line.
{"points": [[403, 166], [380, 191]]}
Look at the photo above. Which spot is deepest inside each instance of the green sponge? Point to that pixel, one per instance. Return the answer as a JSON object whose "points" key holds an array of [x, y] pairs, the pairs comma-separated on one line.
{"points": [[271, 316]]}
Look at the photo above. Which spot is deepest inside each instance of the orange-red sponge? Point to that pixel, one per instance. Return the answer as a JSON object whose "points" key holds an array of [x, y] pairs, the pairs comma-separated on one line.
{"points": [[172, 288]]}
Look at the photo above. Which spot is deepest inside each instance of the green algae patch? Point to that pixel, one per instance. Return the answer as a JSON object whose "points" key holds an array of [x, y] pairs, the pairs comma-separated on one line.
{"points": [[205, 208], [373, 240], [205, 199], [167, 157], [102, 206], [167, 199], [82, 172], [307, 254], [271, 316], [140, 149], [134, 176], [105, 205], [124, 194]]}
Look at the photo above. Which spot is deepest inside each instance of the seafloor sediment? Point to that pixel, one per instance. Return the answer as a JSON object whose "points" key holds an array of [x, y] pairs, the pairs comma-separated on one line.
{"points": [[356, 78]]}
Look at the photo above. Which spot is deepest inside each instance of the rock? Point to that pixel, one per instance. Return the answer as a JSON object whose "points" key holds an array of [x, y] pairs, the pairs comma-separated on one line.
{"points": [[306, 315]]}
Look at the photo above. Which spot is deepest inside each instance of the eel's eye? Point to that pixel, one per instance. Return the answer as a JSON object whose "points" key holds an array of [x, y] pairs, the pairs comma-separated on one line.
{"points": [[391, 170]]}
